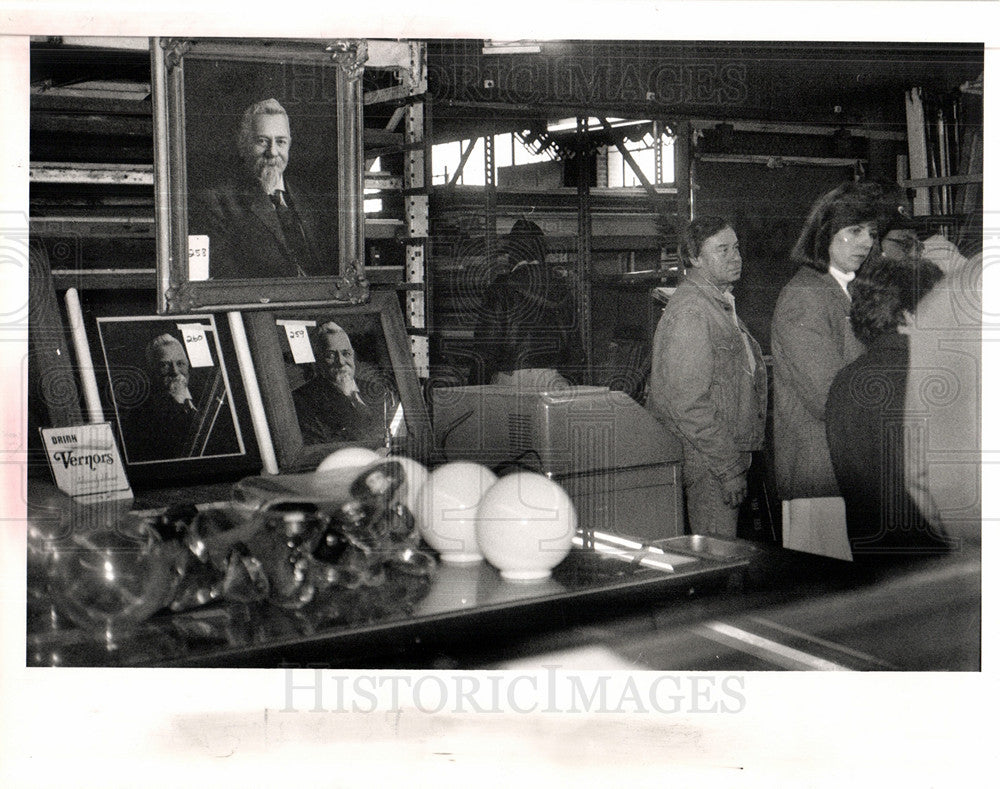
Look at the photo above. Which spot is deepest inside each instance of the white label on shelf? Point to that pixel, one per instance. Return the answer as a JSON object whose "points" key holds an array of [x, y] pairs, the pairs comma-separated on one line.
{"points": [[85, 462], [298, 340], [197, 258], [196, 344]]}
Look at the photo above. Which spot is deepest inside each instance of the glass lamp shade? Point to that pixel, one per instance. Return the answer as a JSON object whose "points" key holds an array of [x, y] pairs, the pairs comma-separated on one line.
{"points": [[525, 526], [107, 582], [446, 509]]}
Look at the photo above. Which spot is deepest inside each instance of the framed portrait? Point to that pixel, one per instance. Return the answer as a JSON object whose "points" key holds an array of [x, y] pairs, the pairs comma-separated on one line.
{"points": [[171, 389], [258, 169], [335, 376]]}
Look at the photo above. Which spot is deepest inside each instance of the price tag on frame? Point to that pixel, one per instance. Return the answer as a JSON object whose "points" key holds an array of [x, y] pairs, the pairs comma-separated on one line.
{"points": [[197, 258], [298, 340], [196, 344]]}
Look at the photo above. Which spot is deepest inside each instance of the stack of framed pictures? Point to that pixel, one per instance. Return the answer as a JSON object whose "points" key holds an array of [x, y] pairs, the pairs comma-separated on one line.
{"points": [[265, 347], [328, 376]]}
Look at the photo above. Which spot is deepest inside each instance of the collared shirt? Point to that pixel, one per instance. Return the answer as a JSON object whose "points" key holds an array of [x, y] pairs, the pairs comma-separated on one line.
{"points": [[751, 361], [843, 278], [279, 191]]}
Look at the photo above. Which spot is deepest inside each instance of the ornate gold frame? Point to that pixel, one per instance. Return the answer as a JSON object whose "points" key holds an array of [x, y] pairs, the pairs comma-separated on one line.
{"points": [[176, 291]]}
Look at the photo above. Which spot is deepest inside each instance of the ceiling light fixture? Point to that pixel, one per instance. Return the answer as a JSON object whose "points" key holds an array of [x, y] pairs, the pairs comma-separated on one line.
{"points": [[523, 46]]}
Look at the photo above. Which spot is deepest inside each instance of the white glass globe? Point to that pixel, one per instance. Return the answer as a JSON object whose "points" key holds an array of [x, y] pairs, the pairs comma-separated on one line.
{"points": [[447, 505], [525, 526]]}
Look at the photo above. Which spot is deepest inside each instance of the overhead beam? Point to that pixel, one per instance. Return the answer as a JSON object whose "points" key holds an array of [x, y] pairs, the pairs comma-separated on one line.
{"points": [[462, 161], [763, 127], [779, 161]]}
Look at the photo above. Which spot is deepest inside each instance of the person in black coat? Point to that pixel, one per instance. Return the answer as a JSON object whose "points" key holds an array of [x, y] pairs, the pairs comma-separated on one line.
{"points": [[528, 334], [866, 418]]}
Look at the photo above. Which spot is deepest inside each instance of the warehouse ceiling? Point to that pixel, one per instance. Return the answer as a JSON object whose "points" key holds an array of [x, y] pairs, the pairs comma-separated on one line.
{"points": [[840, 84], [825, 83]]}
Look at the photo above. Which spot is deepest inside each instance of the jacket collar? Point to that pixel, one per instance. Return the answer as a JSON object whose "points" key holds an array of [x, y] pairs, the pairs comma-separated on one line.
{"points": [[697, 279], [842, 278], [826, 280]]}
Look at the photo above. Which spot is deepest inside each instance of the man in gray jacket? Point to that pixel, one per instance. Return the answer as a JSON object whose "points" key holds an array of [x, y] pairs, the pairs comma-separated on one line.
{"points": [[709, 382]]}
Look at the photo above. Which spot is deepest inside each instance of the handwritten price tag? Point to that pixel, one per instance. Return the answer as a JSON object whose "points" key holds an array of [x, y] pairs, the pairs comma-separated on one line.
{"points": [[197, 258], [196, 344], [298, 340]]}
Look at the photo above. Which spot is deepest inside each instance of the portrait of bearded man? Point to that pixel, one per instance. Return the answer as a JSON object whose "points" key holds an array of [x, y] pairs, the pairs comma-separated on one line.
{"points": [[169, 423], [337, 404], [263, 222]]}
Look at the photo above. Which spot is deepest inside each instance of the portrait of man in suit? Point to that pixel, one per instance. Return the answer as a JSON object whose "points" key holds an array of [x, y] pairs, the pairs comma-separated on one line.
{"points": [[264, 221], [346, 399], [176, 419]]}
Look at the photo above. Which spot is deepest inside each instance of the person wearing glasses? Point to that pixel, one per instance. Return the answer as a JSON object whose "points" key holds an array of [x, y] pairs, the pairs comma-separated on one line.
{"points": [[172, 422], [901, 241], [334, 405]]}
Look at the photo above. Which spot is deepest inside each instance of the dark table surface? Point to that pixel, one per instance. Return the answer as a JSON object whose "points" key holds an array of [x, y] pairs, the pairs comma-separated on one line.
{"points": [[789, 611], [767, 609]]}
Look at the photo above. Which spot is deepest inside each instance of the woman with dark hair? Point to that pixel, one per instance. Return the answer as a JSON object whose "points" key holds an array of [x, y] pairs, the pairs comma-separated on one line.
{"points": [[709, 383], [811, 340], [866, 418]]}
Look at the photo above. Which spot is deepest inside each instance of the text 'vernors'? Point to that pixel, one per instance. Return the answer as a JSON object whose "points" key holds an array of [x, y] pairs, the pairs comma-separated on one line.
{"points": [[70, 459]]}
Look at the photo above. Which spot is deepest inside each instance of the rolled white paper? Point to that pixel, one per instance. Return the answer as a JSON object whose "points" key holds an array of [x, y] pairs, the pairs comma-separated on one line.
{"points": [[249, 376], [91, 396]]}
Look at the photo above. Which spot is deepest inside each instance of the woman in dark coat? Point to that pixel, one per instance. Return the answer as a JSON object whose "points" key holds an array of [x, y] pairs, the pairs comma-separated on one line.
{"points": [[811, 340]]}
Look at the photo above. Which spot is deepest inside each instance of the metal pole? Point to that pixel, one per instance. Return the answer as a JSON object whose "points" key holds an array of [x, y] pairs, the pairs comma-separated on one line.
{"points": [[584, 227]]}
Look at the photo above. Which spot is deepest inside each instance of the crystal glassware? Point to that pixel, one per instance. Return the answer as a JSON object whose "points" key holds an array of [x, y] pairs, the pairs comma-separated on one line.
{"points": [[110, 580]]}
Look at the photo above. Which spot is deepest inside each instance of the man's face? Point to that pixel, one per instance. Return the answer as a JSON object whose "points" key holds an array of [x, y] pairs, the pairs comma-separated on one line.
{"points": [[900, 244], [719, 259], [336, 362], [267, 151], [171, 368]]}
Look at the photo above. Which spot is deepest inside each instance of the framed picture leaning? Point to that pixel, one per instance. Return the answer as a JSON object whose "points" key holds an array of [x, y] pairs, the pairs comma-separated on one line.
{"points": [[170, 388], [335, 376]]}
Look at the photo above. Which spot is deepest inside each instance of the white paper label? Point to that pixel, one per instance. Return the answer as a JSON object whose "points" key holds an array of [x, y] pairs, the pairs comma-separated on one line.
{"points": [[196, 343], [298, 340], [85, 462], [197, 258], [397, 421]]}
